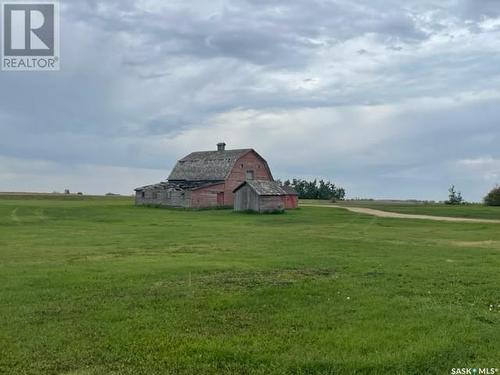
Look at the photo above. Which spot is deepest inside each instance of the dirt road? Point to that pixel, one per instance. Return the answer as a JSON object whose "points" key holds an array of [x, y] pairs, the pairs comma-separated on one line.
{"points": [[394, 215]]}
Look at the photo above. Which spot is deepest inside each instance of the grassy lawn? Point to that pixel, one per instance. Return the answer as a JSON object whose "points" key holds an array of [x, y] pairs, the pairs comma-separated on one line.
{"points": [[98, 286], [477, 211]]}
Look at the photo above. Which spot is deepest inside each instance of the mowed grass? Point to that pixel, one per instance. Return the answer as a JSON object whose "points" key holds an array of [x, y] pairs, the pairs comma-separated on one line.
{"points": [[476, 211], [98, 286]]}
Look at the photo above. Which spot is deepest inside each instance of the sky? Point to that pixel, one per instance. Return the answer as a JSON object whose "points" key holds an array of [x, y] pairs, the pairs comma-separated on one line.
{"points": [[387, 98]]}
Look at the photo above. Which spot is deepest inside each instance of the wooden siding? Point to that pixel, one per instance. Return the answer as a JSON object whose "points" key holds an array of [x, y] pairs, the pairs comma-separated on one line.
{"points": [[161, 197], [246, 199], [271, 203], [207, 197], [291, 202]]}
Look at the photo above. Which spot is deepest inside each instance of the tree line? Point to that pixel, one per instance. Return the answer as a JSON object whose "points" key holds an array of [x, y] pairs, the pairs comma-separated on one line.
{"points": [[316, 189], [327, 190]]}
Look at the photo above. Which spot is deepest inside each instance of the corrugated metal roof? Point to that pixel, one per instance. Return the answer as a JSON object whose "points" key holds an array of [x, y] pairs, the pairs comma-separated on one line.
{"points": [[262, 187], [206, 165]]}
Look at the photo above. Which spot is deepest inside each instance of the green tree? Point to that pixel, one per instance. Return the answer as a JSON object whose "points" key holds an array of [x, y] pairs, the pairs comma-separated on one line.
{"points": [[454, 197], [493, 197]]}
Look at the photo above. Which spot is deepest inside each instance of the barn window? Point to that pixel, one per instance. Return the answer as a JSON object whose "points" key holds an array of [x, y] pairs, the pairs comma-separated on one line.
{"points": [[155, 195], [250, 175], [241, 166], [143, 194]]}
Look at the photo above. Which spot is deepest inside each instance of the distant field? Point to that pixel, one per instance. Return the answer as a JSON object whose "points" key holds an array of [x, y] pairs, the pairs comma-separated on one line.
{"points": [[98, 286], [477, 211], [58, 196]]}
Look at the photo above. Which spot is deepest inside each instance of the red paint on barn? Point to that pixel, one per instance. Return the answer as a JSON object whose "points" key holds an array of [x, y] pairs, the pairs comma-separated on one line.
{"points": [[291, 202]]}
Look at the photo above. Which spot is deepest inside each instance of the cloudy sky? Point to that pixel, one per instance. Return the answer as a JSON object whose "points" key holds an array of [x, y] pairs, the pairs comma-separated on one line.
{"points": [[388, 98]]}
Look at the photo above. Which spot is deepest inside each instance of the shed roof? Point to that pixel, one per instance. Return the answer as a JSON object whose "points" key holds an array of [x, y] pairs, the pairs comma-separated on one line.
{"points": [[266, 188], [289, 190], [207, 165]]}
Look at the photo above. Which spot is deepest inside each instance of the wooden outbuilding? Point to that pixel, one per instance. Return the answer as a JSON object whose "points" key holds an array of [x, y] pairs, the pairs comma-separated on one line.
{"points": [[264, 197]]}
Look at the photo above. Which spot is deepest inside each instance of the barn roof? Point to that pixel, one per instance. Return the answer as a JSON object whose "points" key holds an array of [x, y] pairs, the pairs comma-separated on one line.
{"points": [[207, 165], [268, 188], [180, 185]]}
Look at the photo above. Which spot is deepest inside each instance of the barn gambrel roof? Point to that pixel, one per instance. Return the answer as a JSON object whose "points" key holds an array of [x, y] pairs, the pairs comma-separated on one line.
{"points": [[207, 165]]}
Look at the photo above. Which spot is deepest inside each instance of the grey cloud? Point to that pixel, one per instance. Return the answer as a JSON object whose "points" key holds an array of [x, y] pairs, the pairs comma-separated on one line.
{"points": [[477, 9], [276, 33]]}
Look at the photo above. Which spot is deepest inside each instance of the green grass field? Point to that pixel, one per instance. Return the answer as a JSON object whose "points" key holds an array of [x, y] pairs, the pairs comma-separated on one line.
{"points": [[475, 211], [98, 286]]}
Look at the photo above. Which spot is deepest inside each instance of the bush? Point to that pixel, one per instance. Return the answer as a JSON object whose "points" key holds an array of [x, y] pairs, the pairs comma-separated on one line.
{"points": [[493, 197], [455, 198]]}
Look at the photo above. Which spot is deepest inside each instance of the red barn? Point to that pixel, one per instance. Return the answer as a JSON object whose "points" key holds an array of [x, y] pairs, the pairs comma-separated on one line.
{"points": [[207, 179]]}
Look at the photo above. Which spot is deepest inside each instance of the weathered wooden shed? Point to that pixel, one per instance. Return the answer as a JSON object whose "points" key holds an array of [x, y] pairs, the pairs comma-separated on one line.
{"points": [[263, 196]]}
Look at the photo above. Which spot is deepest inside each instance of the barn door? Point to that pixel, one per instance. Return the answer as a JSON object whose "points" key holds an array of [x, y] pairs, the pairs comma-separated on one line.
{"points": [[220, 199]]}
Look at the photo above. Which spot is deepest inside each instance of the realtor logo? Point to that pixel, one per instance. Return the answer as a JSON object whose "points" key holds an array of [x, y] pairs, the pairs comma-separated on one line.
{"points": [[30, 36]]}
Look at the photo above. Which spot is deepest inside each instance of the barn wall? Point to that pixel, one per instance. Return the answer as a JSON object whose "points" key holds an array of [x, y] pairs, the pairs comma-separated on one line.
{"points": [[152, 197], [251, 161], [178, 198], [246, 200], [139, 199], [161, 197], [206, 197], [290, 202]]}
